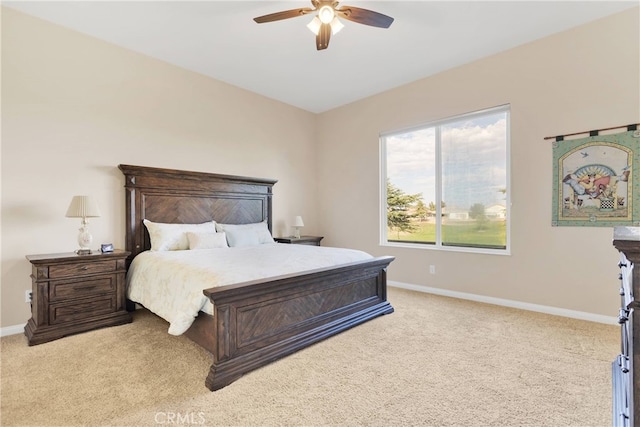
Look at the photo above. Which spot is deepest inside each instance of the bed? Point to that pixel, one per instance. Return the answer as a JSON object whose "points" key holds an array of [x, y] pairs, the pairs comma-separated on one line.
{"points": [[256, 322]]}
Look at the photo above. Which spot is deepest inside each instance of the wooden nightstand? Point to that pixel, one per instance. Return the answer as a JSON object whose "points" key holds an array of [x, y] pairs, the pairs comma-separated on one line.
{"points": [[303, 240], [75, 293]]}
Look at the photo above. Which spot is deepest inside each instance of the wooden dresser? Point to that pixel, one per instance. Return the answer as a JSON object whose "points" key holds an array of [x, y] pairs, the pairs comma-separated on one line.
{"points": [[626, 366], [75, 293]]}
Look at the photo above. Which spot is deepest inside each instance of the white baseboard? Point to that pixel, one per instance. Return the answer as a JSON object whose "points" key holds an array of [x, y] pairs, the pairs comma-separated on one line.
{"points": [[581, 315], [12, 330]]}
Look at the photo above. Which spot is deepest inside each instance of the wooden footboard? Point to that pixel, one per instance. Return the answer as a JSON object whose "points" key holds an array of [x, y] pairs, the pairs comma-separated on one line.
{"points": [[256, 323]]}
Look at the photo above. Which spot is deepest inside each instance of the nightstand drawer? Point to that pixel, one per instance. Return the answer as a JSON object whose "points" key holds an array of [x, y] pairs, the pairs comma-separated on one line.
{"points": [[87, 308], [73, 289], [81, 268]]}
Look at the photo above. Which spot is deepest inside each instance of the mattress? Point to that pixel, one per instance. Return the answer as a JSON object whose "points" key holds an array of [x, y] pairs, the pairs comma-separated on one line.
{"points": [[170, 283]]}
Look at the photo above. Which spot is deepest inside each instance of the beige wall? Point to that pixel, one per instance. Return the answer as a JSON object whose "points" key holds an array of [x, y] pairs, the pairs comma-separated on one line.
{"points": [[578, 80], [73, 108]]}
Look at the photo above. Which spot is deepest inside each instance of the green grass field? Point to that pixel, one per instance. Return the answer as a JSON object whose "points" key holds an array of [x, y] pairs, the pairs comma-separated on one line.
{"points": [[460, 233]]}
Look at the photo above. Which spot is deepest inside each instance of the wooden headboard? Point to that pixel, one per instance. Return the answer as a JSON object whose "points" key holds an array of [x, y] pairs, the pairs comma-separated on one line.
{"points": [[175, 196]]}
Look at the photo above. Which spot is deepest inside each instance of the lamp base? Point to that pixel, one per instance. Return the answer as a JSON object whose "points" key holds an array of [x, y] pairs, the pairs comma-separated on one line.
{"points": [[84, 238]]}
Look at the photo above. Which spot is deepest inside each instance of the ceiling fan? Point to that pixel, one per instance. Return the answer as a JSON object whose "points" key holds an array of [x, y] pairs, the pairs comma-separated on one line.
{"points": [[326, 22]]}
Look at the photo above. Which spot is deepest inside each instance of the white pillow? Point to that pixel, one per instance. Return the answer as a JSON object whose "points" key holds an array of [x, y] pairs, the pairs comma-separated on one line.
{"points": [[246, 234], [207, 240], [173, 237]]}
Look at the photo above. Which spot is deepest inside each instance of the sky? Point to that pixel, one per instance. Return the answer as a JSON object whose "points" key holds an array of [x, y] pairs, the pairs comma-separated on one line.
{"points": [[474, 163]]}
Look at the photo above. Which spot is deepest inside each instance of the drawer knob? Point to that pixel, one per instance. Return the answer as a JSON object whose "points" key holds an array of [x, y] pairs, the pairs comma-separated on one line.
{"points": [[623, 316]]}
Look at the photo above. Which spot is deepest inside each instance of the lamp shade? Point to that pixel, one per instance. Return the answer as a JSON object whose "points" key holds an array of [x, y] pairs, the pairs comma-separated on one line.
{"points": [[297, 222], [83, 207], [314, 25], [336, 26]]}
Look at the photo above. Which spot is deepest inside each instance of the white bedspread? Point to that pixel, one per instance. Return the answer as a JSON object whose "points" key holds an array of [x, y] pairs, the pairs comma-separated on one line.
{"points": [[170, 283]]}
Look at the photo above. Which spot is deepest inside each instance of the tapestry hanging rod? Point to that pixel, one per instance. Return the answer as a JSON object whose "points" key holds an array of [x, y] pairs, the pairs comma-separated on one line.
{"points": [[594, 132]]}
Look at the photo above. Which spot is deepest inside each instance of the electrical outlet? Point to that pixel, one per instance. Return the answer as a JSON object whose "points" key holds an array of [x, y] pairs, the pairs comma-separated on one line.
{"points": [[27, 296], [432, 269]]}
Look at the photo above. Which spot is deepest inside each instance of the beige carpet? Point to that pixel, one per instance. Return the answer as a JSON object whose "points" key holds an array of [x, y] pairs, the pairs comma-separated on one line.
{"points": [[434, 362]]}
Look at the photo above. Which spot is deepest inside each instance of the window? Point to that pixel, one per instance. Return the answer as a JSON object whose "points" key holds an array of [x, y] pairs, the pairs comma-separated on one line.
{"points": [[446, 184]]}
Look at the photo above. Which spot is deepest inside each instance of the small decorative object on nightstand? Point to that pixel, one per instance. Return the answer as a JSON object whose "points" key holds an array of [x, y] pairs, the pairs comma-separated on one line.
{"points": [[302, 240], [72, 294], [106, 247]]}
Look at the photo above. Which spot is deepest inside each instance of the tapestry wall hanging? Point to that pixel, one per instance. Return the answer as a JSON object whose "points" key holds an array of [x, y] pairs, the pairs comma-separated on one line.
{"points": [[596, 180]]}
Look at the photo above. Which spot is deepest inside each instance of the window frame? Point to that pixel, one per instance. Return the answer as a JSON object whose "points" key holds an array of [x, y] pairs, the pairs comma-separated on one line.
{"points": [[438, 124]]}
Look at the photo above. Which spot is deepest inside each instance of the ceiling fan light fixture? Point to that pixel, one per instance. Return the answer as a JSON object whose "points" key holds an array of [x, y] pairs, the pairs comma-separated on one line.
{"points": [[314, 25], [336, 26], [326, 14], [325, 23]]}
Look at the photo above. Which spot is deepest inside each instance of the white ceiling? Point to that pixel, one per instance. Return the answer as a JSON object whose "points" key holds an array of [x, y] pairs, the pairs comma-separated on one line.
{"points": [[279, 59]]}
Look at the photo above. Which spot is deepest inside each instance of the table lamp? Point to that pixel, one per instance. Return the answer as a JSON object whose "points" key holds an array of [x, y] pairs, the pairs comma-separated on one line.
{"points": [[83, 207], [297, 224]]}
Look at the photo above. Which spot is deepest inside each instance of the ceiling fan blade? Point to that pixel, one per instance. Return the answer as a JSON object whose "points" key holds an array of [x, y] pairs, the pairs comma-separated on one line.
{"points": [[322, 39], [283, 15], [364, 16]]}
